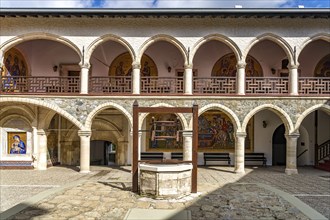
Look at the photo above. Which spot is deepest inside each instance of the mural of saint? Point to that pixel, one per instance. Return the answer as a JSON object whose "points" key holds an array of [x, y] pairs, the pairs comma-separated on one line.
{"points": [[122, 66], [14, 66], [226, 66], [18, 146], [216, 132], [323, 67]]}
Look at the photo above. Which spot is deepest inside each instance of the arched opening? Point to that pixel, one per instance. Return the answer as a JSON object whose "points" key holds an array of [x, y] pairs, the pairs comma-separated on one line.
{"points": [[111, 69], [169, 63], [110, 138], [41, 66], [265, 122], [274, 66], [210, 72], [311, 66], [37, 127], [279, 146], [317, 126]]}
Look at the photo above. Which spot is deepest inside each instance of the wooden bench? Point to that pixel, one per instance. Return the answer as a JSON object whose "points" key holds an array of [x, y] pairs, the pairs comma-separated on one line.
{"points": [[216, 157], [177, 155], [152, 155], [256, 157]]}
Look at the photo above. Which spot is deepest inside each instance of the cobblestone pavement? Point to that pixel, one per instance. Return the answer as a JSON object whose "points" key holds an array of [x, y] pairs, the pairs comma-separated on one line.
{"points": [[105, 194]]}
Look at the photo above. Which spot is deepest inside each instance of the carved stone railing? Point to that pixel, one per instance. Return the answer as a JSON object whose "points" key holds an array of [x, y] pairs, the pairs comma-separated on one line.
{"points": [[267, 85], [161, 85], [110, 84], [314, 85], [39, 84], [214, 85]]}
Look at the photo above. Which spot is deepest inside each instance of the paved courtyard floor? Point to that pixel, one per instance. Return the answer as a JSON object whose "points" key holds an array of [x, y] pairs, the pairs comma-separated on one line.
{"points": [[105, 193]]}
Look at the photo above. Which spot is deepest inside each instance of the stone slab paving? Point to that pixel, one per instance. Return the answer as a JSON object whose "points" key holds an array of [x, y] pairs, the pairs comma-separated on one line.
{"points": [[19, 185], [105, 194]]}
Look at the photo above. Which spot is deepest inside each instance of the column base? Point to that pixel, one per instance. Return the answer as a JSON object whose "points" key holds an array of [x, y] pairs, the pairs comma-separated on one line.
{"points": [[42, 168], [239, 170], [289, 171], [294, 94], [84, 171]]}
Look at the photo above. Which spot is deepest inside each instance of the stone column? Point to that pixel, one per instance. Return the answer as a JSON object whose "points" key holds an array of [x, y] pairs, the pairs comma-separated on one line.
{"points": [[187, 145], [42, 155], [84, 78], [85, 137], [188, 80], [136, 78], [239, 152], [121, 152], [240, 78], [293, 80], [291, 153], [140, 145]]}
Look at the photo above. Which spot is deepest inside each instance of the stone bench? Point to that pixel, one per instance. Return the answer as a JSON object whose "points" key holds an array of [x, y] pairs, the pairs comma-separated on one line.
{"points": [[216, 157], [256, 157], [177, 155], [152, 155]]}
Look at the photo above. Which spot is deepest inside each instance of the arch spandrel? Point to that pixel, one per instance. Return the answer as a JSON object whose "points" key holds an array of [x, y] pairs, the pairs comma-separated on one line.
{"points": [[48, 104]]}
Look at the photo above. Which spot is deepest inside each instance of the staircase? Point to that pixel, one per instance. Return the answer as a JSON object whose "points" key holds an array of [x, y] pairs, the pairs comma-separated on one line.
{"points": [[323, 156]]}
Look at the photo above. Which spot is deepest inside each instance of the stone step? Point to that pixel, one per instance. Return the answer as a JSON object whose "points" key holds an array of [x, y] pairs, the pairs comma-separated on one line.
{"points": [[324, 166]]}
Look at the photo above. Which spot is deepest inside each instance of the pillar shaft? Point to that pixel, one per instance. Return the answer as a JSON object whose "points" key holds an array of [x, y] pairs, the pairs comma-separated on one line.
{"points": [[187, 146], [293, 81], [240, 78], [84, 151], [84, 80], [188, 80], [136, 78], [291, 153], [239, 152], [42, 155]]}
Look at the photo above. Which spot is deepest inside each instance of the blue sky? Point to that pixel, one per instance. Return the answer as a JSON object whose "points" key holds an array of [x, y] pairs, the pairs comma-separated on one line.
{"points": [[163, 3]]}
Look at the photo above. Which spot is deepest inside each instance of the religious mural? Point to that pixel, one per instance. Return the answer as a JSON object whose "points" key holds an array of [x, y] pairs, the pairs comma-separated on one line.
{"points": [[323, 67], [164, 132], [16, 142], [122, 66], [226, 66], [14, 66], [216, 132]]}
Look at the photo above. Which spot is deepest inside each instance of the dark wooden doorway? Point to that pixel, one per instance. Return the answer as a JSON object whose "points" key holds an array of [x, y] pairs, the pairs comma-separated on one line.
{"points": [[279, 146]]}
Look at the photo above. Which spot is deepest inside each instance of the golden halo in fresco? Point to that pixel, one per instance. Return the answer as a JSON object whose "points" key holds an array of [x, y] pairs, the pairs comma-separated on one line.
{"points": [[323, 67], [122, 66], [14, 64], [226, 66]]}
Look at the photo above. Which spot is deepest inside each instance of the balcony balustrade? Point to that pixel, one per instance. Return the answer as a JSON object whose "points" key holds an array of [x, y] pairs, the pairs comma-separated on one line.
{"points": [[110, 85], [122, 85], [159, 85], [267, 85], [314, 85], [40, 84], [214, 85]]}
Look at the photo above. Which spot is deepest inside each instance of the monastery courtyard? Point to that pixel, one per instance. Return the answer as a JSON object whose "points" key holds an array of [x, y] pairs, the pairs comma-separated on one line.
{"points": [[105, 193]]}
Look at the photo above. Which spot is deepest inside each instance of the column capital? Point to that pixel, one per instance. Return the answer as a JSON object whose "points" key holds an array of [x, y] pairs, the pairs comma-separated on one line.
{"points": [[188, 66], [84, 65], [292, 135], [294, 66], [136, 65], [187, 133], [240, 65], [240, 134], [41, 132], [86, 133]]}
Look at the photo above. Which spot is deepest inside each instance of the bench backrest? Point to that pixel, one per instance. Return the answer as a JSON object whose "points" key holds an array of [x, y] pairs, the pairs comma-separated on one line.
{"points": [[177, 155], [210, 155], [152, 155], [254, 155]]}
